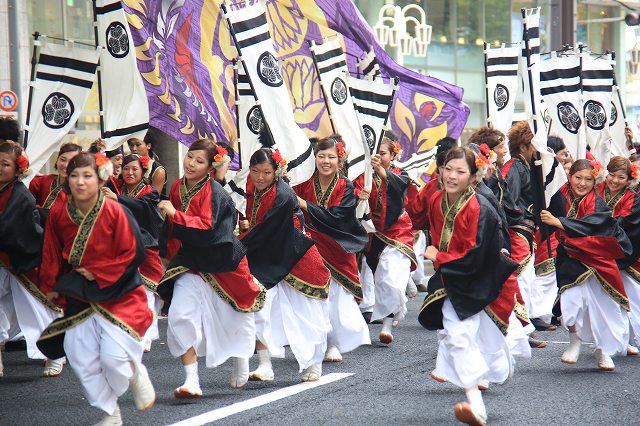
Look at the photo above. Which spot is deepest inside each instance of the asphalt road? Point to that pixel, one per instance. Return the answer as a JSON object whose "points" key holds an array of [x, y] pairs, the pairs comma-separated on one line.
{"points": [[389, 385]]}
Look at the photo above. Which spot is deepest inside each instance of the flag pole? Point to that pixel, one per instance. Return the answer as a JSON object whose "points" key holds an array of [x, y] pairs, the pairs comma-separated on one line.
{"points": [[36, 44], [486, 81], [544, 229], [99, 71]]}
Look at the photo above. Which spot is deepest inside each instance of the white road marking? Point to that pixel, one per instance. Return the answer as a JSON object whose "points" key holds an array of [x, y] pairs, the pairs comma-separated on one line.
{"points": [[258, 401]]}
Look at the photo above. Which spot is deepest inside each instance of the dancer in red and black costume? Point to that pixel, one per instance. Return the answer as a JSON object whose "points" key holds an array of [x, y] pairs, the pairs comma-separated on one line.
{"points": [[211, 293], [92, 251], [329, 206], [593, 301], [390, 252]]}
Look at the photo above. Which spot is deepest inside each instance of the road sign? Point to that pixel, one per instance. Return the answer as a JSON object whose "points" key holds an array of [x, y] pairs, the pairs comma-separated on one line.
{"points": [[8, 100]]}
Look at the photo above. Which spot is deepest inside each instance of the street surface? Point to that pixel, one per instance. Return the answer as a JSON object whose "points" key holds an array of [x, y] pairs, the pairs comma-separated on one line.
{"points": [[388, 386]]}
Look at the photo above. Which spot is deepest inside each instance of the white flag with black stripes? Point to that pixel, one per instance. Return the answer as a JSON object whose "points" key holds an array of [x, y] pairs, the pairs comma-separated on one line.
{"points": [[331, 65], [64, 76], [501, 68], [251, 33], [597, 88], [560, 89], [368, 66], [250, 124], [123, 100]]}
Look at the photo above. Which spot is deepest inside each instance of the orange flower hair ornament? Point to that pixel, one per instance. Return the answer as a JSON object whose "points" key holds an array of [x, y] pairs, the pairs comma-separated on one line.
{"points": [[396, 148], [598, 172], [281, 163], [482, 164], [22, 163], [221, 152], [341, 149], [635, 174], [105, 166]]}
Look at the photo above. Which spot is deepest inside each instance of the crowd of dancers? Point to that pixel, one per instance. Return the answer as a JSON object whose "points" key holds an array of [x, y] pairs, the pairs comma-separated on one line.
{"points": [[92, 254]]}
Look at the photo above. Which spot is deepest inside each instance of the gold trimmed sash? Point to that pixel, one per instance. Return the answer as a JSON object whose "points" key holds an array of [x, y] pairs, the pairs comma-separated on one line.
{"points": [[351, 286], [85, 227], [257, 305], [306, 289], [54, 190], [545, 267], [58, 327], [402, 248]]}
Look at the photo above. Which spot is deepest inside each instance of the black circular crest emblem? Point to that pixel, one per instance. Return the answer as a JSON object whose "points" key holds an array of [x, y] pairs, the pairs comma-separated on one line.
{"points": [[369, 135], [339, 91], [268, 70], [255, 121], [57, 110], [595, 115], [501, 96], [117, 40], [569, 117], [614, 114]]}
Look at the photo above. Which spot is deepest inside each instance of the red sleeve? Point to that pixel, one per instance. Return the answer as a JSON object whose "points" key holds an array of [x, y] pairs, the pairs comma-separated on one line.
{"points": [[110, 257], [358, 184], [35, 187], [51, 253]]}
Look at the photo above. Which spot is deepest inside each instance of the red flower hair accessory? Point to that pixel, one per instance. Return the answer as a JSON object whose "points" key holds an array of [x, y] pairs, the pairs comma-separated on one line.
{"points": [[144, 161], [105, 166], [488, 152], [482, 164], [221, 152], [341, 149], [395, 147], [22, 163], [598, 171], [635, 175], [281, 163]]}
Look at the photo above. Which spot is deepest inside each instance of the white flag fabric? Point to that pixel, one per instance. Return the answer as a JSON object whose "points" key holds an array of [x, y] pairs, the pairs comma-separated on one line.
{"points": [[125, 111], [368, 66], [553, 172], [64, 75], [251, 32], [617, 124], [501, 68], [421, 161], [250, 124], [372, 100], [560, 89], [331, 64], [597, 88]]}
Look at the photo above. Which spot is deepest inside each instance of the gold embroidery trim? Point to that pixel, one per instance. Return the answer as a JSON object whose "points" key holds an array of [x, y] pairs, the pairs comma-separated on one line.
{"points": [[150, 284], [440, 293], [633, 274], [257, 200], [58, 327], [54, 190], [402, 248], [116, 321], [257, 304], [351, 286], [172, 273], [306, 288], [186, 195], [545, 267], [450, 214], [502, 326], [322, 198], [33, 289], [612, 200], [377, 180], [85, 227], [133, 193]]}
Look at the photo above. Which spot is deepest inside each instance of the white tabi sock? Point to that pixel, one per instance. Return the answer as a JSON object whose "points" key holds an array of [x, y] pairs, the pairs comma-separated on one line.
{"points": [[192, 381], [474, 396]]}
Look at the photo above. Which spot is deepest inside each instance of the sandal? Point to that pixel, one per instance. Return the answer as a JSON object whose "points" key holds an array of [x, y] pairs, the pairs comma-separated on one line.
{"points": [[53, 367]]}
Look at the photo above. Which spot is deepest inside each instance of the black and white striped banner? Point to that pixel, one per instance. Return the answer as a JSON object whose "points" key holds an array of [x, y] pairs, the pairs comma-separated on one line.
{"points": [[123, 100], [250, 124], [501, 69], [64, 76], [368, 66], [597, 89], [250, 31], [331, 65], [554, 175], [560, 89]]}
